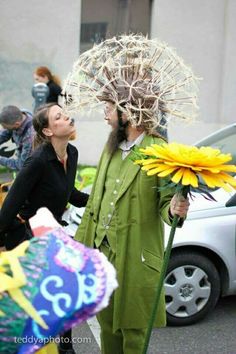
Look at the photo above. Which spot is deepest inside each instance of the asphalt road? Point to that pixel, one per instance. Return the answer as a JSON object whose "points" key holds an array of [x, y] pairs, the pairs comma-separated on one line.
{"points": [[215, 334]]}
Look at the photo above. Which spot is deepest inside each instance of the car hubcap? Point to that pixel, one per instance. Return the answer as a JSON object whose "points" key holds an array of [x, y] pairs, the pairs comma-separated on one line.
{"points": [[187, 291]]}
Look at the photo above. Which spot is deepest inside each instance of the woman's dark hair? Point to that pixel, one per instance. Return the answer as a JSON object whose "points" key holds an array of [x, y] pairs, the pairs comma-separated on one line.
{"points": [[40, 121]]}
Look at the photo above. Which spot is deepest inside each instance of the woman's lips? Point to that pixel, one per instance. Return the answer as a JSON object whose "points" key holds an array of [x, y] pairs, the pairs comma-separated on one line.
{"points": [[72, 122]]}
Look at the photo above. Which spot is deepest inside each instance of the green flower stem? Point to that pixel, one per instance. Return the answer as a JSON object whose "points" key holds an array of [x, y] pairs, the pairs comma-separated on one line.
{"points": [[175, 221]]}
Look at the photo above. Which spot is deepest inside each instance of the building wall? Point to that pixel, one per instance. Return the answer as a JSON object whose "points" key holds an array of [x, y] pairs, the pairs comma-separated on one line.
{"points": [[228, 100], [34, 33], [203, 33]]}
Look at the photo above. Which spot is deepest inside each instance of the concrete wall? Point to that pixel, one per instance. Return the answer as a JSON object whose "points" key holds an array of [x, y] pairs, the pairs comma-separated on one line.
{"points": [[203, 33], [228, 101], [34, 33]]}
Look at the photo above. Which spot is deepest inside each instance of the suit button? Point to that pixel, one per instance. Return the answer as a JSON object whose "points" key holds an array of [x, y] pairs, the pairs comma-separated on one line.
{"points": [[91, 213]]}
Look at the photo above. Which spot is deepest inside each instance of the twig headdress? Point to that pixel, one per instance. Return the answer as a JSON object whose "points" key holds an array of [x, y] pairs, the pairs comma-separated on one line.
{"points": [[144, 78]]}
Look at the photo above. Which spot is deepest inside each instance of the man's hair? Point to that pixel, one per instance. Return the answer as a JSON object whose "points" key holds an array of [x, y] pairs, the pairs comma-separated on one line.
{"points": [[10, 115]]}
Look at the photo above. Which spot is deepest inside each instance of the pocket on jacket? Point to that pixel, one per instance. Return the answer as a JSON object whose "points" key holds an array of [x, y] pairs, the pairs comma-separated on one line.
{"points": [[151, 260]]}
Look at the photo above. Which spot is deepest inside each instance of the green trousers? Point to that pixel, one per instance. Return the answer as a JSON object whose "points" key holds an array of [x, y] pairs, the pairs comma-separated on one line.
{"points": [[124, 340]]}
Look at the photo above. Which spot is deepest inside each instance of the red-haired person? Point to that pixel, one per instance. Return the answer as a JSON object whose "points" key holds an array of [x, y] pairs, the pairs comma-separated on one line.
{"points": [[43, 75]]}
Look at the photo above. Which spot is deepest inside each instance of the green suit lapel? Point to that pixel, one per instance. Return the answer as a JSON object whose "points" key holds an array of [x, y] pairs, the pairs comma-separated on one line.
{"points": [[132, 169], [100, 182], [131, 172], [130, 175]]}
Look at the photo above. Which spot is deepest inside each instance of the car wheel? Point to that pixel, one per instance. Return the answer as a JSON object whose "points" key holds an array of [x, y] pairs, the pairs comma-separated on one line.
{"points": [[192, 288]]}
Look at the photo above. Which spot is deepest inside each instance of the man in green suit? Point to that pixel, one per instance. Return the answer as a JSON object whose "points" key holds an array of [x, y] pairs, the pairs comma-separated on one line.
{"points": [[124, 219]]}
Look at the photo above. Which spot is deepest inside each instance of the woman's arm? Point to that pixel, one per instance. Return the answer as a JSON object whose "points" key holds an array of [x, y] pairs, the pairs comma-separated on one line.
{"points": [[26, 179], [78, 199]]}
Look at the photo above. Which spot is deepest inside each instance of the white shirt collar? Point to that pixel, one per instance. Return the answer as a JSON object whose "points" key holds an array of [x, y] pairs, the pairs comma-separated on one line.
{"points": [[126, 146]]}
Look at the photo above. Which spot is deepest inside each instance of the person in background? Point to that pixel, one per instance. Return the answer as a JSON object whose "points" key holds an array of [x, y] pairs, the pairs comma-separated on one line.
{"points": [[46, 180], [43, 75], [17, 126]]}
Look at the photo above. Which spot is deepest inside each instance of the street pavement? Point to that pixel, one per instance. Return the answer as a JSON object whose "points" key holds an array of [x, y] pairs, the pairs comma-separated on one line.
{"points": [[215, 334]]}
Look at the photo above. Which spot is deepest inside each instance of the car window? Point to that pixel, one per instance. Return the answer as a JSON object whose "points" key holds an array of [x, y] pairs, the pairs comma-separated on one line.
{"points": [[227, 145], [225, 140]]}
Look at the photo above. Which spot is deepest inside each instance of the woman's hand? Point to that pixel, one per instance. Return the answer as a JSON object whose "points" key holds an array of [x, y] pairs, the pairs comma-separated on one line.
{"points": [[179, 205]]}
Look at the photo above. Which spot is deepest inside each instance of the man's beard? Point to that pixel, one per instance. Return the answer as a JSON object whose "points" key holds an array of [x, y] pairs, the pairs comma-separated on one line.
{"points": [[117, 135]]}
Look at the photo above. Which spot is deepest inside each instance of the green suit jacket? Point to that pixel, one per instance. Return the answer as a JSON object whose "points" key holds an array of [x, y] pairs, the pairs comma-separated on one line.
{"points": [[140, 210]]}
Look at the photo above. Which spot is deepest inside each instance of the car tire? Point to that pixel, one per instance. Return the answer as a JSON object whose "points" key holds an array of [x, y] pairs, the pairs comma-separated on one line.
{"points": [[192, 287]]}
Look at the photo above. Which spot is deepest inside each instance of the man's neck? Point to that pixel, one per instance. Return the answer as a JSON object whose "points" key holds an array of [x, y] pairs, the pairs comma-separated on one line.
{"points": [[133, 133]]}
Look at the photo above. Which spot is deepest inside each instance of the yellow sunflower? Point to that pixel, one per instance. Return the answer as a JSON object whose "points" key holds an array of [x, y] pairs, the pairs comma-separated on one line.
{"points": [[187, 164]]}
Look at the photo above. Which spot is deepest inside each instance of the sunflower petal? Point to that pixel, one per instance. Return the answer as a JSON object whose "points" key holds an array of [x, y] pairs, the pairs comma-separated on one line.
{"points": [[211, 180], [189, 178], [178, 175], [167, 172], [228, 179]]}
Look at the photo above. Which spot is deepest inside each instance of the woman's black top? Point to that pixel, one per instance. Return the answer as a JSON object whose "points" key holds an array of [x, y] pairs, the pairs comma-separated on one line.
{"points": [[54, 92], [43, 182]]}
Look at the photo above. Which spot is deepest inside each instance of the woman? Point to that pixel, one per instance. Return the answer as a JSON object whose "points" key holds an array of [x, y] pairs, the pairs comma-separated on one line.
{"points": [[48, 175], [46, 179], [44, 75]]}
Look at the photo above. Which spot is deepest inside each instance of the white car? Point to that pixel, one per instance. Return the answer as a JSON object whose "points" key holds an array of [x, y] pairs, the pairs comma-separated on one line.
{"points": [[203, 259]]}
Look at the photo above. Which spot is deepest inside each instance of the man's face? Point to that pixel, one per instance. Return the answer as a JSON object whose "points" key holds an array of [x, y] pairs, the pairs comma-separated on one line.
{"points": [[14, 126], [111, 116]]}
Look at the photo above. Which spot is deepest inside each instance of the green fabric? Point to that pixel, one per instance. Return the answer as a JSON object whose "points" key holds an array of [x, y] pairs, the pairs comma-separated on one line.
{"points": [[106, 220], [140, 209], [128, 341]]}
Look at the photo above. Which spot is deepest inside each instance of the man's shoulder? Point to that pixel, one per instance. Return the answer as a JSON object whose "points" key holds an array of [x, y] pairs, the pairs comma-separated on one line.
{"points": [[27, 112], [153, 139], [27, 126]]}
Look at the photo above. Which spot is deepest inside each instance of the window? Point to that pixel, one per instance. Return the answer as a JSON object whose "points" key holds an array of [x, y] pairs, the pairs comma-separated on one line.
{"points": [[106, 18], [93, 32]]}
